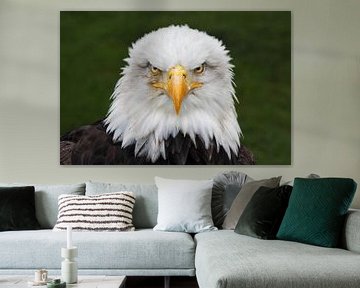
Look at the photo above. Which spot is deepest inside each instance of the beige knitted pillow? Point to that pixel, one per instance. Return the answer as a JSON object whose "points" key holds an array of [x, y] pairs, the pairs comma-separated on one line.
{"points": [[105, 212]]}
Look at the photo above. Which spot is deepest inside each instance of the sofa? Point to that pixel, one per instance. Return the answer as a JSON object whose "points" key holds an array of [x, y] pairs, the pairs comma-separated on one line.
{"points": [[218, 258]]}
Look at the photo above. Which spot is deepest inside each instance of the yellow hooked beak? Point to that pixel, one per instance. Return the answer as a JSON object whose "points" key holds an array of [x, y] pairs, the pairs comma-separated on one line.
{"points": [[177, 85]]}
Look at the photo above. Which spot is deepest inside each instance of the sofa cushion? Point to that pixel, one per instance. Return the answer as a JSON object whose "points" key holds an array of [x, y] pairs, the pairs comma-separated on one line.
{"points": [[105, 212], [146, 205], [17, 209], [225, 189], [142, 249], [317, 209], [225, 259], [243, 198], [46, 200], [263, 215], [184, 205]]}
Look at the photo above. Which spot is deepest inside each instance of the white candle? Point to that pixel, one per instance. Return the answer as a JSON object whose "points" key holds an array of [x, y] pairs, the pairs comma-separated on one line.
{"points": [[69, 237]]}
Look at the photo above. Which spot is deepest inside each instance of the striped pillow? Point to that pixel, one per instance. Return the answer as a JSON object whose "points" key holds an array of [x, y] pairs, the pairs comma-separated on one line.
{"points": [[105, 212]]}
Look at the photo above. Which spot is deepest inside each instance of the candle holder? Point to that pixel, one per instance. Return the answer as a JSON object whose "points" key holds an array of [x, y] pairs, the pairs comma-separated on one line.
{"points": [[68, 265]]}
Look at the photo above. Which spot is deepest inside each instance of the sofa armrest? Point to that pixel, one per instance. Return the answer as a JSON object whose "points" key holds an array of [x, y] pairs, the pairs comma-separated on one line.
{"points": [[351, 234]]}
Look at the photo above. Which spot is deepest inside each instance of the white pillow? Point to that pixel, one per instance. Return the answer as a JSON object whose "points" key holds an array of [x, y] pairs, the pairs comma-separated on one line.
{"points": [[184, 205]]}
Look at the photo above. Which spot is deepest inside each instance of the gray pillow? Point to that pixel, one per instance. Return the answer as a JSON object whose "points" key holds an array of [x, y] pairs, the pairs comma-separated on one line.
{"points": [[310, 176], [243, 198], [46, 200], [184, 205], [146, 204], [226, 187]]}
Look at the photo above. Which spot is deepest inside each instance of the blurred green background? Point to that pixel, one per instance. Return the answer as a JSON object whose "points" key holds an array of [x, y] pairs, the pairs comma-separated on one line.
{"points": [[94, 44]]}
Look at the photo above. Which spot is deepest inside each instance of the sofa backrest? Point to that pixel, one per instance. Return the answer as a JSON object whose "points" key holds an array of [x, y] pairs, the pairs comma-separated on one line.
{"points": [[350, 239], [146, 203]]}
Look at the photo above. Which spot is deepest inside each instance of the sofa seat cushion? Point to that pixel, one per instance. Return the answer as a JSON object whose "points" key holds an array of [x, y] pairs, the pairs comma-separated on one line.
{"points": [[142, 249], [226, 259]]}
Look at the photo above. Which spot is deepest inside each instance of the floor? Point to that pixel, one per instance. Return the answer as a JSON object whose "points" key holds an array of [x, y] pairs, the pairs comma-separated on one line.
{"points": [[131, 282], [158, 282]]}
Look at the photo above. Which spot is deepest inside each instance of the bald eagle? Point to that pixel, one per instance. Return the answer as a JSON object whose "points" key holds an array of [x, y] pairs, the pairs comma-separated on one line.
{"points": [[174, 104]]}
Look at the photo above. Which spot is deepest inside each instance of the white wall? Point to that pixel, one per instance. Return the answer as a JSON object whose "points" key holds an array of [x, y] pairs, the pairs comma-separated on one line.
{"points": [[326, 91]]}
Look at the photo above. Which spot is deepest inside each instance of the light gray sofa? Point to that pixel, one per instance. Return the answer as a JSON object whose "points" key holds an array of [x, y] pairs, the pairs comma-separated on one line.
{"points": [[143, 252], [219, 259], [226, 259]]}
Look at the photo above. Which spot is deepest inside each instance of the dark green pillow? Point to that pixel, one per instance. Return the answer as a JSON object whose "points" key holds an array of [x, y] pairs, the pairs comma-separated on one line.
{"points": [[316, 211], [263, 214], [17, 208]]}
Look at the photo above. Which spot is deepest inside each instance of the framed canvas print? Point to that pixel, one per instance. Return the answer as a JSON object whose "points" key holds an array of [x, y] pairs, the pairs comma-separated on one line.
{"points": [[175, 88]]}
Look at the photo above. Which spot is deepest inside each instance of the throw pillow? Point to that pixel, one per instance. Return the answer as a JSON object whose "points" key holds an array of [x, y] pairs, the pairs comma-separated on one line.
{"points": [[106, 212], [184, 205], [263, 215], [316, 211], [311, 175], [226, 187], [243, 198], [17, 209]]}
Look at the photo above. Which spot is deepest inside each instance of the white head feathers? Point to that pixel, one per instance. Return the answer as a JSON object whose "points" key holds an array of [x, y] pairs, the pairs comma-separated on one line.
{"points": [[144, 116]]}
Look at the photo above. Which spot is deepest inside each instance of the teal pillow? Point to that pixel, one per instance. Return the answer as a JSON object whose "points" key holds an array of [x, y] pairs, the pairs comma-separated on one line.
{"points": [[316, 211]]}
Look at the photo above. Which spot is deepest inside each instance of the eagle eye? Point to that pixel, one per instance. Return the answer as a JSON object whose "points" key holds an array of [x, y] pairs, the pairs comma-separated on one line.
{"points": [[200, 69], [154, 70]]}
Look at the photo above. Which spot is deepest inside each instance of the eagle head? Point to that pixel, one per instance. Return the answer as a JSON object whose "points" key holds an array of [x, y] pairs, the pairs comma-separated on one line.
{"points": [[177, 80]]}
